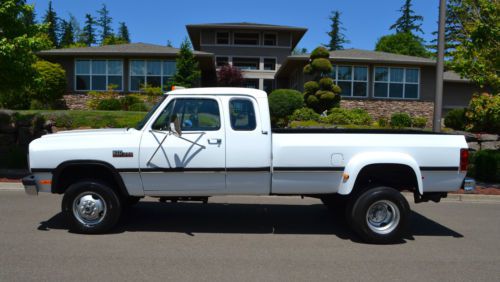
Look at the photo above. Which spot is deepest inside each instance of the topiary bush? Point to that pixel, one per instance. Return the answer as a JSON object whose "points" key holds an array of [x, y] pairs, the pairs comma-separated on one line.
{"points": [[419, 122], [49, 84], [320, 52], [483, 114], [487, 165], [311, 87], [456, 119], [109, 105], [304, 114], [400, 120], [282, 103], [322, 65]]}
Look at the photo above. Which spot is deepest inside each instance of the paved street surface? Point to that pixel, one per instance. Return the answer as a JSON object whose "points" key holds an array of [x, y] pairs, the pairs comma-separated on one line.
{"points": [[245, 239]]}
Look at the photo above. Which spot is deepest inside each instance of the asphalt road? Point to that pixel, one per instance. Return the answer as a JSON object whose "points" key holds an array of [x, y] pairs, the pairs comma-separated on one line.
{"points": [[245, 239]]}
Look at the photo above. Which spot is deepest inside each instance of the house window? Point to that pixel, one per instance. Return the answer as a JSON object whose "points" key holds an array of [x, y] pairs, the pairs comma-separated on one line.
{"points": [[269, 64], [153, 73], [246, 63], [221, 61], [93, 74], [242, 115], [268, 86], [353, 80], [396, 82], [251, 83], [246, 38], [270, 39], [222, 38]]}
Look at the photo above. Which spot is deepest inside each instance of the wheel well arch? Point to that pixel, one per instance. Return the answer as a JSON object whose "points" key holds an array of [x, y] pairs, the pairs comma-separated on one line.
{"points": [[398, 176], [69, 172]]}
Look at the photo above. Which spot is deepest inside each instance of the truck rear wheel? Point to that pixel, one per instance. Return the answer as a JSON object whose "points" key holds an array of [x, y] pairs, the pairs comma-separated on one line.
{"points": [[91, 207], [379, 215]]}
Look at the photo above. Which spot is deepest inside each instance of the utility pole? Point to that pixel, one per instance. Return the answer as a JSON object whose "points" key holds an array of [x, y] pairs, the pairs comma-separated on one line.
{"points": [[438, 102]]}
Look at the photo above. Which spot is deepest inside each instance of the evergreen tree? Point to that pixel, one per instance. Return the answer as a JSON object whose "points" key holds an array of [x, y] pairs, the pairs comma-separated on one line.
{"points": [[453, 30], [169, 43], [104, 22], [408, 22], [337, 38], [123, 33], [188, 71], [67, 37], [77, 31], [50, 19], [88, 33]]}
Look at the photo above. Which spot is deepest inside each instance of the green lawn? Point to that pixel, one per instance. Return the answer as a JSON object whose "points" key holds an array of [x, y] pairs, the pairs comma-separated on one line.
{"points": [[90, 119]]}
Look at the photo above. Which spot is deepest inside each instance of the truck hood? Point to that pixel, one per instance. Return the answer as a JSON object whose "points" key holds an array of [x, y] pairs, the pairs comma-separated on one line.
{"points": [[95, 133]]}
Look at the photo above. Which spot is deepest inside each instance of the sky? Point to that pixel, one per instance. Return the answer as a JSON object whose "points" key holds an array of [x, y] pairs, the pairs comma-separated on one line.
{"points": [[157, 22]]}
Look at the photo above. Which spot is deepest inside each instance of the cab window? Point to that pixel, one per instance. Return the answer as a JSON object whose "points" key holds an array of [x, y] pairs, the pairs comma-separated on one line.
{"points": [[192, 115], [242, 115]]}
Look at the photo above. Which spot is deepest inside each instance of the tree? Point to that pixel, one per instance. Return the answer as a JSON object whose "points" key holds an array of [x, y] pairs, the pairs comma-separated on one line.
{"points": [[19, 39], [229, 76], [321, 93], [112, 40], [67, 37], [88, 34], [188, 71], [453, 31], [337, 38], [169, 43], [51, 20], [299, 51], [123, 33], [49, 83], [402, 43], [104, 22], [408, 22], [77, 31], [477, 56]]}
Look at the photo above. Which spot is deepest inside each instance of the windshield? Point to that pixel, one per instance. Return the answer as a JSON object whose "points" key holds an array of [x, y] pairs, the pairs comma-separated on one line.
{"points": [[143, 122]]}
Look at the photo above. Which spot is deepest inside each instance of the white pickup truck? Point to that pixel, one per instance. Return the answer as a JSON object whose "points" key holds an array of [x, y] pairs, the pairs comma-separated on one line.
{"points": [[202, 142]]}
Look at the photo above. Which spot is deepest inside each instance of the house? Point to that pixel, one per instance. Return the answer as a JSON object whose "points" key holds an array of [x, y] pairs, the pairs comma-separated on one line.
{"points": [[381, 83]]}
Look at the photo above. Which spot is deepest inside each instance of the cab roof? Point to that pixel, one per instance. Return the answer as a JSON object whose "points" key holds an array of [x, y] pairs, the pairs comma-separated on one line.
{"points": [[219, 91]]}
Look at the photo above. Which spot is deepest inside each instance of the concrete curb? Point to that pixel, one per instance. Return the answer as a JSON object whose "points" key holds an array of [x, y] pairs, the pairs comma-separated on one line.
{"points": [[16, 186]]}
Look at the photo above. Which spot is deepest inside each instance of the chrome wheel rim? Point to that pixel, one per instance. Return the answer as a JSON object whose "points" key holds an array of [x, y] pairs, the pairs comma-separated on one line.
{"points": [[89, 208], [383, 217]]}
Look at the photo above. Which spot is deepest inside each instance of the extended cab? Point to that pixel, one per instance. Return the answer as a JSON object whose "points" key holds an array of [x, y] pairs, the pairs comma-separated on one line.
{"points": [[203, 142]]}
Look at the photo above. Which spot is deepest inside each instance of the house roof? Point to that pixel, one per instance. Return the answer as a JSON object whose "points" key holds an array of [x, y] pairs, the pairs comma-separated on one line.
{"points": [[130, 49], [356, 55], [195, 29], [452, 76]]}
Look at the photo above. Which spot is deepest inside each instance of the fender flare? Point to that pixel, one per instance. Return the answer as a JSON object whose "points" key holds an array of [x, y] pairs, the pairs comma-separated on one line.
{"points": [[359, 161], [56, 174]]}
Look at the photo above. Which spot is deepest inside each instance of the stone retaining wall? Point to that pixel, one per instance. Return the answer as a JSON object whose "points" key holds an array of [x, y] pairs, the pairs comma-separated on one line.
{"points": [[477, 141], [76, 101], [385, 108]]}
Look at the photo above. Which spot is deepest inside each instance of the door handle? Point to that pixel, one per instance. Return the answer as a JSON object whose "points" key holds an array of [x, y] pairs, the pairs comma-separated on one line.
{"points": [[214, 141]]}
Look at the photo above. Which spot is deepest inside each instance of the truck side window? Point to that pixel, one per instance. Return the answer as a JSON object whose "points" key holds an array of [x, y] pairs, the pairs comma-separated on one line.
{"points": [[242, 115], [193, 115]]}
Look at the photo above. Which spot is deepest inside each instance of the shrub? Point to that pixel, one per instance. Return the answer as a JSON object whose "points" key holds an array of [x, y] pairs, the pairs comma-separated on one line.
{"points": [[326, 83], [138, 107], [348, 117], [97, 96], [49, 83], [109, 105], [455, 119], [229, 76], [16, 100], [320, 52], [129, 100], [382, 122], [283, 102], [308, 69], [304, 114], [311, 87], [400, 120], [487, 165], [419, 122], [321, 64], [483, 113]]}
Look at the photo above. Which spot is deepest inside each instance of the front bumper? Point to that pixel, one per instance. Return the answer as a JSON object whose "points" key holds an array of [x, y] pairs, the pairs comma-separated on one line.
{"points": [[30, 185]]}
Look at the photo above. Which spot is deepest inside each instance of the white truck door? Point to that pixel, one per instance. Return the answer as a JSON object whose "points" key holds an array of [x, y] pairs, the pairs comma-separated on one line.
{"points": [[190, 161], [248, 147]]}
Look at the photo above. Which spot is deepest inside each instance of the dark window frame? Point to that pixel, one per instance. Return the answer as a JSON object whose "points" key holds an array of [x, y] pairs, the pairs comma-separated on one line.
{"points": [[252, 108]]}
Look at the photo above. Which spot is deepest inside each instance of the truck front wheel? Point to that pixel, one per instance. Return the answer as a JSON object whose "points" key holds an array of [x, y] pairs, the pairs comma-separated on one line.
{"points": [[379, 215], [91, 207]]}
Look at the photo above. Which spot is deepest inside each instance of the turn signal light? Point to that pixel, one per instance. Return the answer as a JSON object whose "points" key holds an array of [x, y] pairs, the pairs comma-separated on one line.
{"points": [[45, 182]]}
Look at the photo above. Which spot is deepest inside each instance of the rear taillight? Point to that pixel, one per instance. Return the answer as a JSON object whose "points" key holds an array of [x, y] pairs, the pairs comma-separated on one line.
{"points": [[464, 159]]}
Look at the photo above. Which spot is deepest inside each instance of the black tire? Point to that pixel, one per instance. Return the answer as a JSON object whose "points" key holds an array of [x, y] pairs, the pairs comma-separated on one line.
{"points": [[98, 194], [335, 202], [386, 202]]}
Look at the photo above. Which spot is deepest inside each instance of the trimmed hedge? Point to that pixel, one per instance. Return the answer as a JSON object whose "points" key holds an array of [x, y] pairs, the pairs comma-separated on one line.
{"points": [[455, 119], [487, 165], [400, 120]]}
